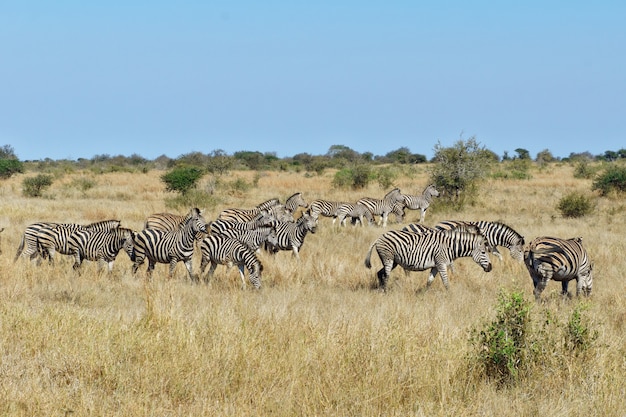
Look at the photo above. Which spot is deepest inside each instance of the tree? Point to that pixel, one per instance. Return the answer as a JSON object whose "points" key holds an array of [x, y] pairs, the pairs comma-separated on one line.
{"points": [[182, 179], [9, 164], [544, 157], [219, 162], [457, 170], [522, 153]]}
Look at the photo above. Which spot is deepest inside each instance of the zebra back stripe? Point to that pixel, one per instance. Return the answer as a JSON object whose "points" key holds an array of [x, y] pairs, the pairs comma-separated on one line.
{"points": [[223, 250]]}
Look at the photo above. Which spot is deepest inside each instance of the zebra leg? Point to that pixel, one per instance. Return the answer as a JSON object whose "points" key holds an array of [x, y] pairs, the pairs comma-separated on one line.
{"points": [[384, 219], [151, 265], [422, 215], [295, 252], [189, 267], [431, 277], [77, 261], [497, 253], [243, 277], [565, 285], [443, 271]]}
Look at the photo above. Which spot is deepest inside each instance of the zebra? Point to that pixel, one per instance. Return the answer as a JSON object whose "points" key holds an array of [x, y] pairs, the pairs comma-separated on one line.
{"points": [[170, 221], [223, 250], [100, 246], [325, 208], [55, 238], [558, 259], [29, 246], [244, 215], [290, 236], [497, 234], [168, 247], [356, 212], [295, 201], [418, 252], [262, 220], [252, 238], [421, 202], [384, 206]]}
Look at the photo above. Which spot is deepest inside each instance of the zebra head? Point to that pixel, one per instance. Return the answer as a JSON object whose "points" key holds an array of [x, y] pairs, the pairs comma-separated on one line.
{"points": [[586, 280], [129, 243], [295, 201], [309, 222], [198, 224], [480, 253], [430, 192]]}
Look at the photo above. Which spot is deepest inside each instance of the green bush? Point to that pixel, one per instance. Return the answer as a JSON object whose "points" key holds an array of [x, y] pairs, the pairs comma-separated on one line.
{"points": [[612, 179], [34, 186], [8, 167], [356, 177], [584, 170], [575, 204], [182, 179], [386, 177], [578, 337], [502, 345]]}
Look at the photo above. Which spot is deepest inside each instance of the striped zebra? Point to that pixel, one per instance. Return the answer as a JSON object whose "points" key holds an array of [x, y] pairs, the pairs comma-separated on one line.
{"points": [[497, 234], [171, 221], [55, 238], [383, 206], [325, 208], [558, 259], [421, 202], [418, 252], [295, 201], [290, 236], [29, 245], [253, 238], [222, 250], [168, 247], [356, 212], [244, 215], [262, 220], [100, 246]]}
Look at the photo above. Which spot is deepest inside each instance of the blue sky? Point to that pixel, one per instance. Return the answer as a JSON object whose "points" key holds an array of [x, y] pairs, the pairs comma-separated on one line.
{"points": [[79, 79]]}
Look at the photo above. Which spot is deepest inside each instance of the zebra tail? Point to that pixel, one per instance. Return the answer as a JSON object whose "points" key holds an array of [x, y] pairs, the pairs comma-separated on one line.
{"points": [[20, 248], [368, 263]]}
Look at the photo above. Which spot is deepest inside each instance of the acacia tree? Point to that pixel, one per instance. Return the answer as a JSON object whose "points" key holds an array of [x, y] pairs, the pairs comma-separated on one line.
{"points": [[458, 169]]}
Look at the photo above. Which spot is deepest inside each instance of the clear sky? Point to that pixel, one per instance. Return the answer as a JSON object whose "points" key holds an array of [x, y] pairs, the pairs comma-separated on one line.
{"points": [[83, 78]]}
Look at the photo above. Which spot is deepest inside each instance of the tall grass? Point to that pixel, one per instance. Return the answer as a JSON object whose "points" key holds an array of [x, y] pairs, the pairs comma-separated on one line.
{"points": [[318, 339]]}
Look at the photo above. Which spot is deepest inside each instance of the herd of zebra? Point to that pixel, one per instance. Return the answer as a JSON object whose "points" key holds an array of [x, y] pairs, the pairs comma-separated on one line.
{"points": [[237, 235]]}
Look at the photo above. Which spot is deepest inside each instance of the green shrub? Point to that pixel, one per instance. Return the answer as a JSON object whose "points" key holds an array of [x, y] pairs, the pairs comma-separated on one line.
{"points": [[34, 186], [356, 177], [502, 345], [612, 179], [575, 204], [584, 170], [182, 179], [8, 167], [386, 177], [578, 337]]}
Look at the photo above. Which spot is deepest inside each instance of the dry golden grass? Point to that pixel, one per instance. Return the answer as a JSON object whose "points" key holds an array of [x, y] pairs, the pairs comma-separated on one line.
{"points": [[318, 339]]}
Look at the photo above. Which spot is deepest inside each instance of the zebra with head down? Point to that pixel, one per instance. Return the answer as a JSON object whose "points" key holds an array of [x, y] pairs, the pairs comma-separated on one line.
{"points": [[382, 207], [100, 246], [325, 208], [551, 258], [421, 251]]}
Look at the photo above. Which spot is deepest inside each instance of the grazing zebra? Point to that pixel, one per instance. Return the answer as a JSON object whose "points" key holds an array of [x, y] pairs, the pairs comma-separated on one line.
{"points": [[290, 236], [262, 220], [223, 250], [355, 212], [295, 201], [562, 260], [100, 246], [325, 208], [253, 238], [168, 247], [421, 202], [385, 206], [55, 238], [244, 215], [497, 234], [418, 252]]}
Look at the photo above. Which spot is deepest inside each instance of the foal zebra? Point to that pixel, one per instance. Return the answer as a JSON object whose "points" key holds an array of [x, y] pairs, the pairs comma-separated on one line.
{"points": [[384, 206], [355, 212], [253, 238], [100, 246], [558, 259], [223, 250], [497, 234], [169, 247], [55, 238], [290, 236], [418, 252], [421, 202]]}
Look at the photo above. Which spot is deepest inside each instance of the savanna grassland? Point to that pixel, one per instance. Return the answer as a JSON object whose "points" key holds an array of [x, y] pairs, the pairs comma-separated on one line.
{"points": [[318, 339]]}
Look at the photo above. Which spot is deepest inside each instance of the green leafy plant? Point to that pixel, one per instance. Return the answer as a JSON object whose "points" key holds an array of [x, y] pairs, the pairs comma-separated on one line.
{"points": [[356, 177], [612, 179], [35, 186], [575, 204], [578, 337], [502, 344], [182, 179], [8, 167]]}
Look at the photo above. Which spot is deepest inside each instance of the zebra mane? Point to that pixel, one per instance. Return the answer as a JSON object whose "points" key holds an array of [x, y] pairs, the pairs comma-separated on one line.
{"points": [[392, 192], [268, 203]]}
